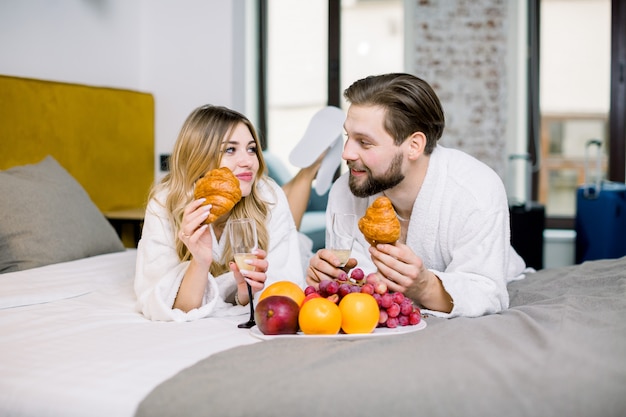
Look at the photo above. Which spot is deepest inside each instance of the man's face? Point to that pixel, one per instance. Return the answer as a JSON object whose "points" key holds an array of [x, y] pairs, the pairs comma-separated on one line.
{"points": [[375, 162]]}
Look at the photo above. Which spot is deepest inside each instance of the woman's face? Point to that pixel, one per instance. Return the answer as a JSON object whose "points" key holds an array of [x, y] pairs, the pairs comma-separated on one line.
{"points": [[239, 154]]}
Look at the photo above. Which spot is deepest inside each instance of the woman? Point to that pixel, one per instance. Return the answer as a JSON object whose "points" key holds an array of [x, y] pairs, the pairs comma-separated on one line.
{"points": [[185, 270]]}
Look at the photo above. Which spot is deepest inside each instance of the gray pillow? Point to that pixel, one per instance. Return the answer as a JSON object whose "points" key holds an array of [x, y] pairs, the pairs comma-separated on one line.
{"points": [[47, 217]]}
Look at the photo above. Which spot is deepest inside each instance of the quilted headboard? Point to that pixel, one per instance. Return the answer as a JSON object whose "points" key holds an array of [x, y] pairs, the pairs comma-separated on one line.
{"points": [[103, 136]]}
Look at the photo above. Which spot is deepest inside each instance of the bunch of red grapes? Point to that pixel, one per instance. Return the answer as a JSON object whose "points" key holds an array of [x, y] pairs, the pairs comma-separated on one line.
{"points": [[395, 308]]}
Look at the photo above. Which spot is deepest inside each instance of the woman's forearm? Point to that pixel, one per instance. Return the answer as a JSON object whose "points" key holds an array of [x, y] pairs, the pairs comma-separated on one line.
{"points": [[192, 287]]}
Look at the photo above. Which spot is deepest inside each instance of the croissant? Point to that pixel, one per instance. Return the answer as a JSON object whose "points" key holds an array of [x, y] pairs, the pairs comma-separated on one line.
{"points": [[380, 224], [221, 189]]}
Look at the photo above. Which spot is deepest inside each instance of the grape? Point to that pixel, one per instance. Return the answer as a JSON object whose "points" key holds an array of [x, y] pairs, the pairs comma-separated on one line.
{"points": [[368, 289], [392, 322], [398, 297], [403, 320], [355, 288], [414, 318], [332, 287], [406, 308], [342, 276], [357, 274], [372, 279], [323, 285], [386, 300], [393, 310], [344, 289], [377, 297], [380, 288], [382, 318], [310, 289]]}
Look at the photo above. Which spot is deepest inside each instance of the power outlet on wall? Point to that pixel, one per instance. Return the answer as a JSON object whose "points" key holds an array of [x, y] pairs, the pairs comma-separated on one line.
{"points": [[164, 161]]}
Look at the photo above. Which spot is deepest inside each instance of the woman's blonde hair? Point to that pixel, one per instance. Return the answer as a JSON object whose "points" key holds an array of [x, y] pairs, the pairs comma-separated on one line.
{"points": [[197, 150]]}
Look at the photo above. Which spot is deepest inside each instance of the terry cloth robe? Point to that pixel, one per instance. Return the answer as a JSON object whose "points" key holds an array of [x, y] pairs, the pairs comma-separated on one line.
{"points": [[159, 271], [459, 227]]}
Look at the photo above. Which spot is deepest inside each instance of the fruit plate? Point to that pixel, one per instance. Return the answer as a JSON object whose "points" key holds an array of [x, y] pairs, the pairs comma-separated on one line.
{"points": [[378, 332]]}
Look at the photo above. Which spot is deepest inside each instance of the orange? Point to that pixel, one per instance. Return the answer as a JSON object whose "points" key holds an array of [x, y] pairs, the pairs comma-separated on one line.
{"points": [[319, 316], [359, 313], [284, 288]]}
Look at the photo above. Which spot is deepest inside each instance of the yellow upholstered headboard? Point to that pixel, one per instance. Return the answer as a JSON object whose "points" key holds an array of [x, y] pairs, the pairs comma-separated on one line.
{"points": [[104, 137]]}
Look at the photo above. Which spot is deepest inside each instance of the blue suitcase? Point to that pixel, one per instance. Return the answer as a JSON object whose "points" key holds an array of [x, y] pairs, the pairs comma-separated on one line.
{"points": [[600, 217]]}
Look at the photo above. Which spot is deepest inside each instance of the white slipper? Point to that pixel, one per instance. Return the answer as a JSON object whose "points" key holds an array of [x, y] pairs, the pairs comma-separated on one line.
{"points": [[324, 128], [328, 167]]}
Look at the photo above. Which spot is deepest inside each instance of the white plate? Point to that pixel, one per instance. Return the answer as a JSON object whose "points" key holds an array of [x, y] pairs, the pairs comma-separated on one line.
{"points": [[378, 332]]}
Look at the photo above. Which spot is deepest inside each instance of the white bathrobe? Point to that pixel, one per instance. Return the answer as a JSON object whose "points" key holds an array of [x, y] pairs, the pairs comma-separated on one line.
{"points": [[159, 272], [459, 227]]}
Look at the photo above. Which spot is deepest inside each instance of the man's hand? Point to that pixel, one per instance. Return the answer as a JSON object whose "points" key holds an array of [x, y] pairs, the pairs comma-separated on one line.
{"points": [[325, 265], [403, 271]]}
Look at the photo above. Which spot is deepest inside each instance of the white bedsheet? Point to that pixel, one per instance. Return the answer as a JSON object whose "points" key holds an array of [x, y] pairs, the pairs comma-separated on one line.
{"points": [[72, 344]]}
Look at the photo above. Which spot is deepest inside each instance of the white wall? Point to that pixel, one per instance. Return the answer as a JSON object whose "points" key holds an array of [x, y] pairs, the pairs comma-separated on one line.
{"points": [[86, 42], [185, 52]]}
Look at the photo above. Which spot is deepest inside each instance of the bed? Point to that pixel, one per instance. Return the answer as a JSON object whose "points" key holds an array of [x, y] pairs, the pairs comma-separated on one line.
{"points": [[73, 343]]}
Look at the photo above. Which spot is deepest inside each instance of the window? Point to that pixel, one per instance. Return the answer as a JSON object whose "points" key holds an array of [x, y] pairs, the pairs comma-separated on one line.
{"points": [[575, 56], [297, 62], [372, 38], [367, 36], [315, 49], [581, 96]]}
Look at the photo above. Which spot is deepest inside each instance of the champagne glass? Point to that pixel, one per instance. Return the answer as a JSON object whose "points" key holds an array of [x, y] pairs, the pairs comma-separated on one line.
{"points": [[342, 236], [243, 241]]}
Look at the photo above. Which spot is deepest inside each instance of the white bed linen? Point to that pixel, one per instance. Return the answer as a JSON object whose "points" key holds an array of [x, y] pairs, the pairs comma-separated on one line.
{"points": [[72, 343]]}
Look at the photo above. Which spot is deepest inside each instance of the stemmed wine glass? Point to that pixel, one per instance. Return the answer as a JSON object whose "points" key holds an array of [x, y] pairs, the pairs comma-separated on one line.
{"points": [[342, 236], [243, 240]]}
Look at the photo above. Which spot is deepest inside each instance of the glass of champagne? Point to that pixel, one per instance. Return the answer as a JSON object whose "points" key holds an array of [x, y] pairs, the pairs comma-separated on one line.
{"points": [[243, 241], [342, 236]]}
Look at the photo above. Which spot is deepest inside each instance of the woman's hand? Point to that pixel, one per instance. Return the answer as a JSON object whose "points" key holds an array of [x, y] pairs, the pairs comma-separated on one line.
{"points": [[325, 265], [196, 235], [255, 278]]}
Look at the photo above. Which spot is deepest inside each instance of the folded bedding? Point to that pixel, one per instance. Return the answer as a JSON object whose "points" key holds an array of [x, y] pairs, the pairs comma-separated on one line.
{"points": [[64, 280]]}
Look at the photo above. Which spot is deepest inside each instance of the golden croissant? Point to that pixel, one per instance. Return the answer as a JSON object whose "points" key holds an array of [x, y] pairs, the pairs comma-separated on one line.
{"points": [[380, 224], [221, 189]]}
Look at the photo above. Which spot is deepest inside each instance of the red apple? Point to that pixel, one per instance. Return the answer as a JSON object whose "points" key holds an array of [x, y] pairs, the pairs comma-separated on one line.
{"points": [[277, 314]]}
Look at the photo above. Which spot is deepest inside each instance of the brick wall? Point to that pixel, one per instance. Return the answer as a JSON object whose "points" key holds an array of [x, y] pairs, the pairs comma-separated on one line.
{"points": [[460, 49]]}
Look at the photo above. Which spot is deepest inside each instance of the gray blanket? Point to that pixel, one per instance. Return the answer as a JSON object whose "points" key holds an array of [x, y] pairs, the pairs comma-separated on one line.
{"points": [[560, 350]]}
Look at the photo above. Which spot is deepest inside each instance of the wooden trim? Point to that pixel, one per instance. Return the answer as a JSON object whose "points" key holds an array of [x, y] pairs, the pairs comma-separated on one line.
{"points": [[566, 223], [334, 53], [534, 113], [617, 112], [262, 73]]}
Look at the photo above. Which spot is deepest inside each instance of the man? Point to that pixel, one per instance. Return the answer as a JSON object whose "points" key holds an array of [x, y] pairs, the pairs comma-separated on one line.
{"points": [[454, 256]]}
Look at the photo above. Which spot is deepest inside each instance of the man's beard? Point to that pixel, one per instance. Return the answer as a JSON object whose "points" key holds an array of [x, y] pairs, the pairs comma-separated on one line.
{"points": [[392, 177]]}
